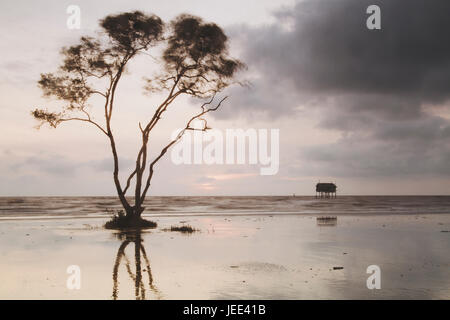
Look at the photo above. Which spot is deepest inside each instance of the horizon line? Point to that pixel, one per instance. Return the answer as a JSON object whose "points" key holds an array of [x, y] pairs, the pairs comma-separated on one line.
{"points": [[273, 195]]}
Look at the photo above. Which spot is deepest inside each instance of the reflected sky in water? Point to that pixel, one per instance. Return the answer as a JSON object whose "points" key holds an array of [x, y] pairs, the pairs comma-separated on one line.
{"points": [[233, 257]]}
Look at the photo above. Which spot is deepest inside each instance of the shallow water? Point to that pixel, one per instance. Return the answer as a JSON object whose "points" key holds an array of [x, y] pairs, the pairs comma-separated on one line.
{"points": [[231, 257], [98, 206]]}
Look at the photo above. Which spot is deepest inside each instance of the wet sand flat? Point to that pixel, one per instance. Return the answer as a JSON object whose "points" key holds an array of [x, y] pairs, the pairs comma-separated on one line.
{"points": [[230, 257]]}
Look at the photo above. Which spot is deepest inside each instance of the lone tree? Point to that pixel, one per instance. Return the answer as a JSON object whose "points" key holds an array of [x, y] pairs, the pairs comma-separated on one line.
{"points": [[194, 61]]}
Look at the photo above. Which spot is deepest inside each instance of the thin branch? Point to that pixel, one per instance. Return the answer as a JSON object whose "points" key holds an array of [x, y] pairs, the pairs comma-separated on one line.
{"points": [[84, 120], [129, 181], [179, 136], [98, 92]]}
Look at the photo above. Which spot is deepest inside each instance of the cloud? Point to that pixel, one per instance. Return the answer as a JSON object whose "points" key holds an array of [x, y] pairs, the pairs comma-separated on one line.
{"points": [[58, 165], [370, 85], [107, 164], [329, 48], [364, 157], [205, 180], [55, 165]]}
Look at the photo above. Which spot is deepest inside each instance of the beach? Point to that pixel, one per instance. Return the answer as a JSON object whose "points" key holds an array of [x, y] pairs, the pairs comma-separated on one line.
{"points": [[246, 255]]}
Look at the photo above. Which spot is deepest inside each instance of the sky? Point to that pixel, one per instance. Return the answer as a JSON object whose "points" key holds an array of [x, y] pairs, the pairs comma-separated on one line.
{"points": [[366, 109]]}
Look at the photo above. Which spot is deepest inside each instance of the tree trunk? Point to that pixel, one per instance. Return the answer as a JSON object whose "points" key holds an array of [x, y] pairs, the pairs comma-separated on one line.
{"points": [[138, 208], [132, 212]]}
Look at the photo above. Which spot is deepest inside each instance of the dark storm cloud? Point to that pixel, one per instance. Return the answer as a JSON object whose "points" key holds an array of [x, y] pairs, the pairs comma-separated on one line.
{"points": [[329, 48], [372, 85]]}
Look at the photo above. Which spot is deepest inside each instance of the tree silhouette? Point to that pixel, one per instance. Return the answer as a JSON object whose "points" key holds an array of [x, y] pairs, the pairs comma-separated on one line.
{"points": [[194, 61]]}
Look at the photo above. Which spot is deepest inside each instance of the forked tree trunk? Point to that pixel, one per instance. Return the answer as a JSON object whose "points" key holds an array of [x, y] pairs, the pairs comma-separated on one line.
{"points": [[132, 212]]}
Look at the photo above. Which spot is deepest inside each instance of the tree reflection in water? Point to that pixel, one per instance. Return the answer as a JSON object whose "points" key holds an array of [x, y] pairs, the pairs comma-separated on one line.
{"points": [[140, 258]]}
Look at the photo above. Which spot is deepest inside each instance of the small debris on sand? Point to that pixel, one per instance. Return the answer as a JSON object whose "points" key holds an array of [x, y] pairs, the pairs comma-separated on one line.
{"points": [[338, 268], [182, 229], [326, 218]]}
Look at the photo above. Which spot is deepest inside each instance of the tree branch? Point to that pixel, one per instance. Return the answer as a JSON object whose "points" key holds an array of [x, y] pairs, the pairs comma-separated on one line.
{"points": [[84, 120], [129, 181], [179, 136]]}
